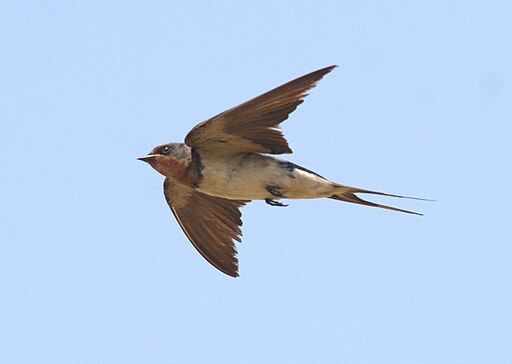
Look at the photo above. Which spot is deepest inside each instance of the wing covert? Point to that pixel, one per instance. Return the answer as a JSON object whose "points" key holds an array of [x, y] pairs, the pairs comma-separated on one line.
{"points": [[253, 125], [210, 223]]}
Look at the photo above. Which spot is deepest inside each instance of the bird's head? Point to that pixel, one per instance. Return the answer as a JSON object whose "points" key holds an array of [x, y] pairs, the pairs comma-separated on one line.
{"points": [[171, 160]]}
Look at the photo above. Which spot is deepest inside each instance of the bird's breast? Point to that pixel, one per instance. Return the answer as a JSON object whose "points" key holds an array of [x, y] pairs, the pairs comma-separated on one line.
{"points": [[252, 176]]}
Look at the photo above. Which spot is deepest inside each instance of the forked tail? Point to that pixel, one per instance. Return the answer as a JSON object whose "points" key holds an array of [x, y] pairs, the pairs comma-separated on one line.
{"points": [[348, 194]]}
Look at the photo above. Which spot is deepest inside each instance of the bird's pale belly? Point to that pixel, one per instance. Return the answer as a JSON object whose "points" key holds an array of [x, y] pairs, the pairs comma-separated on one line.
{"points": [[253, 176]]}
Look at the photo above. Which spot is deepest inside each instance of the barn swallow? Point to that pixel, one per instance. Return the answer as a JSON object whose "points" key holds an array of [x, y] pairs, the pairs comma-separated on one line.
{"points": [[226, 162]]}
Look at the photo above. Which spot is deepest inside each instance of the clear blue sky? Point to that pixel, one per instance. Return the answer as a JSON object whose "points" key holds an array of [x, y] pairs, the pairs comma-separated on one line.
{"points": [[95, 269]]}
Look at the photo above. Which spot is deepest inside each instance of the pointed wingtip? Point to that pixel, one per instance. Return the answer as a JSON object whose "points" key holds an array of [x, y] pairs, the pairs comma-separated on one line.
{"points": [[230, 272], [320, 73], [328, 69]]}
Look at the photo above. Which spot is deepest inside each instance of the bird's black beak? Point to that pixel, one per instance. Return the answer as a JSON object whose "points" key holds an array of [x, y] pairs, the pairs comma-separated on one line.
{"points": [[147, 158]]}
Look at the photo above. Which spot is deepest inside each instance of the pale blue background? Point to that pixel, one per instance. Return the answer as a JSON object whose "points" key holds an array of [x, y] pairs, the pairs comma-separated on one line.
{"points": [[94, 269]]}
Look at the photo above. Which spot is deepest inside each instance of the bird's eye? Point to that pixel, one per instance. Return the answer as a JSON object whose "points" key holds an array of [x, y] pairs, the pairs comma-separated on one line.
{"points": [[165, 150]]}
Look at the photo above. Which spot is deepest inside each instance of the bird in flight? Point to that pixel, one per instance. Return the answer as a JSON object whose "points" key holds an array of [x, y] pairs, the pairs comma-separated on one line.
{"points": [[226, 161]]}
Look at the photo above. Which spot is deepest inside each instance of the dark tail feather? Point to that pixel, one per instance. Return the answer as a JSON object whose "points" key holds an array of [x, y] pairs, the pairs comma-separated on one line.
{"points": [[349, 195]]}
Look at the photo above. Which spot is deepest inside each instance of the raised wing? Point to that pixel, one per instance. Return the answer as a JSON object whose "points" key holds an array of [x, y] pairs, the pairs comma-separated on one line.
{"points": [[252, 126], [210, 223]]}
